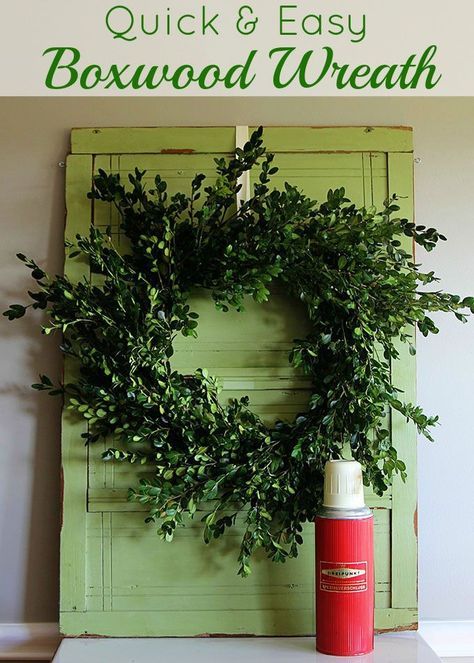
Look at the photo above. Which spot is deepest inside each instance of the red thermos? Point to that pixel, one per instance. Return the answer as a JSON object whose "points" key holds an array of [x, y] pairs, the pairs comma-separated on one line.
{"points": [[344, 564]]}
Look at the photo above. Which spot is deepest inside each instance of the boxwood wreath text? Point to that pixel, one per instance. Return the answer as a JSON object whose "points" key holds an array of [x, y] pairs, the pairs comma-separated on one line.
{"points": [[363, 294]]}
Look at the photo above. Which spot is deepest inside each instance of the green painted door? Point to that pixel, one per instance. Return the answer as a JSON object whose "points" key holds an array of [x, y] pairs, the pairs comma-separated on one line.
{"points": [[117, 577]]}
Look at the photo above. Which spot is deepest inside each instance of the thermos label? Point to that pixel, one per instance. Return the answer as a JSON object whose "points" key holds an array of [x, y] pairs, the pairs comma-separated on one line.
{"points": [[343, 576]]}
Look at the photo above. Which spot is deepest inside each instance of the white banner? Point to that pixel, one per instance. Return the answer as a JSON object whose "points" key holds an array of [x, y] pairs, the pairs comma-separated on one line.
{"points": [[253, 48]]}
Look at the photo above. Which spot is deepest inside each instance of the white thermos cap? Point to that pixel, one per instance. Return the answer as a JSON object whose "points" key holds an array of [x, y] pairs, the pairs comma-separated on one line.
{"points": [[343, 487]]}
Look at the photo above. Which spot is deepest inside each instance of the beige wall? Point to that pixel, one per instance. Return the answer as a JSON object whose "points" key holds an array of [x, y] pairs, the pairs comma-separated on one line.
{"points": [[34, 138]]}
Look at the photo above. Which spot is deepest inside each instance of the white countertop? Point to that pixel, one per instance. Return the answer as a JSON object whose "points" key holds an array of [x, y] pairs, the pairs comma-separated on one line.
{"points": [[406, 647]]}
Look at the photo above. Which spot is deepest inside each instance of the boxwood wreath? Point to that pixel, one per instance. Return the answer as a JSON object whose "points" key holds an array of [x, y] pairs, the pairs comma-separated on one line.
{"points": [[363, 294]]}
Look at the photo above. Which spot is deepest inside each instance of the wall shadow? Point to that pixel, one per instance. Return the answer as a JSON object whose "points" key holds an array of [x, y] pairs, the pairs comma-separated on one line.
{"points": [[39, 457]]}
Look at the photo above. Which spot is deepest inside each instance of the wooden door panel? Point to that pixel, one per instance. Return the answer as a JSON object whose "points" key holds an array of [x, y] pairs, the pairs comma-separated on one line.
{"points": [[122, 579]]}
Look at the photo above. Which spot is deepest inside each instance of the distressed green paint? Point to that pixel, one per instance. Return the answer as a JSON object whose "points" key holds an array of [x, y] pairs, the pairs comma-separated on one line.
{"points": [[404, 516], [117, 577], [144, 622], [210, 140], [339, 139], [167, 140], [74, 454]]}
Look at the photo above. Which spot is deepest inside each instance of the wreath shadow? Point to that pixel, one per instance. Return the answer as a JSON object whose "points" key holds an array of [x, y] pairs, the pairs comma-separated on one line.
{"points": [[34, 458]]}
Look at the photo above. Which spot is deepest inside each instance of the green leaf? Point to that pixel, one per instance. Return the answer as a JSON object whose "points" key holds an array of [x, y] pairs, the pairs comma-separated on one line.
{"points": [[342, 262], [15, 311]]}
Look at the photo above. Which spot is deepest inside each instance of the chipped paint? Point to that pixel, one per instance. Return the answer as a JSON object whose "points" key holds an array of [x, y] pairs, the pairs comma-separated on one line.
{"points": [[227, 635], [92, 636], [397, 629], [177, 151], [351, 126]]}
